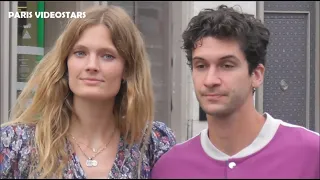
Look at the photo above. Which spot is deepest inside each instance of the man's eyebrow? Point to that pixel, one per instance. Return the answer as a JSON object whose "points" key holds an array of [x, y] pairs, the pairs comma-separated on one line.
{"points": [[222, 58], [229, 57], [198, 58]]}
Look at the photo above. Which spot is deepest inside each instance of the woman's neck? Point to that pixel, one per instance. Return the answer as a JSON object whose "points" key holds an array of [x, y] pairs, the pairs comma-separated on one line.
{"points": [[93, 121]]}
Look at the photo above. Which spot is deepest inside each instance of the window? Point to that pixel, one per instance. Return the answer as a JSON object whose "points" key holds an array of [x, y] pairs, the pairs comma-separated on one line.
{"points": [[154, 21], [34, 38]]}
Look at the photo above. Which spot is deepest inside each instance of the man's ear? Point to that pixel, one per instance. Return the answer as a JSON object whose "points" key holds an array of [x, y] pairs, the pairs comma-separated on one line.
{"points": [[257, 76]]}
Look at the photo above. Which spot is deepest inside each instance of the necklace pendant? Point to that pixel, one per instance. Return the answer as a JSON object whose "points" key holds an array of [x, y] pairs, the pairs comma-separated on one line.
{"points": [[91, 163]]}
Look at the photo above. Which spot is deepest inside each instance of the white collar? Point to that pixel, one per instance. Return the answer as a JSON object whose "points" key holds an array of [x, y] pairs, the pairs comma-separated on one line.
{"points": [[266, 134]]}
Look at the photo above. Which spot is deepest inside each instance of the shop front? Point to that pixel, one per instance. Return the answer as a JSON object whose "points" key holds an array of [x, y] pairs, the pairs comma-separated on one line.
{"points": [[24, 41]]}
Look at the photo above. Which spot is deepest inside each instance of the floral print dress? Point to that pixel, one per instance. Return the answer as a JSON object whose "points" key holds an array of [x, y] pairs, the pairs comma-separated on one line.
{"points": [[15, 154]]}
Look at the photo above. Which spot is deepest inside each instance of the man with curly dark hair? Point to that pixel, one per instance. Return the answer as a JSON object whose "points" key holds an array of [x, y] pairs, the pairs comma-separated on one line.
{"points": [[226, 51]]}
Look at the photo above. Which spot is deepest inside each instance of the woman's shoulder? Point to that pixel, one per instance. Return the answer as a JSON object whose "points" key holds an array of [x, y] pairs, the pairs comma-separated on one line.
{"points": [[162, 140], [16, 136], [17, 131], [15, 150], [162, 133]]}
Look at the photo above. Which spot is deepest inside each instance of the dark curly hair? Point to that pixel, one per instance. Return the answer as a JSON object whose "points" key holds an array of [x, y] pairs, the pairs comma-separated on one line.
{"points": [[226, 23]]}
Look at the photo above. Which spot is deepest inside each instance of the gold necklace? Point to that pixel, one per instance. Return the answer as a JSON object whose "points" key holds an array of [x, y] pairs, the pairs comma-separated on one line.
{"points": [[90, 162], [93, 149]]}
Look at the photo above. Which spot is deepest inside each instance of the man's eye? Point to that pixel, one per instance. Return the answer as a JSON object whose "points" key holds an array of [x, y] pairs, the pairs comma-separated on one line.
{"points": [[200, 66], [227, 66]]}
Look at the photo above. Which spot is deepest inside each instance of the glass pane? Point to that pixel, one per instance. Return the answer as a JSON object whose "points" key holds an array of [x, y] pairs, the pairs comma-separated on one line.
{"points": [[30, 40], [36, 36], [152, 19], [53, 27], [126, 5]]}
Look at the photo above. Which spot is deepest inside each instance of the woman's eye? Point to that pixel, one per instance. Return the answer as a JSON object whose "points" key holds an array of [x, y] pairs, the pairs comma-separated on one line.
{"points": [[108, 57], [79, 53]]}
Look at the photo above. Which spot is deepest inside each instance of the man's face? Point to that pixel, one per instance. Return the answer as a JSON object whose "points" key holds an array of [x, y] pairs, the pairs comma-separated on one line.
{"points": [[221, 77]]}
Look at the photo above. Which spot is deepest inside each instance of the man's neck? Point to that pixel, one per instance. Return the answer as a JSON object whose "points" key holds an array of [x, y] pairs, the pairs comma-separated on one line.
{"points": [[233, 133]]}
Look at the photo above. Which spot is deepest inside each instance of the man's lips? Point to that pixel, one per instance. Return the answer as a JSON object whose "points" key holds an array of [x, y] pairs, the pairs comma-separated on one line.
{"points": [[213, 95]]}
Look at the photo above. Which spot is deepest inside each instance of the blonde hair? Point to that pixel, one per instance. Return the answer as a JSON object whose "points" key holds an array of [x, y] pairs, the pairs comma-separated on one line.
{"points": [[51, 107]]}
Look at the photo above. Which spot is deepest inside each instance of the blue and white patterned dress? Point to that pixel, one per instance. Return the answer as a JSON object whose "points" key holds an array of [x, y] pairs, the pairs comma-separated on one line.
{"points": [[15, 153]]}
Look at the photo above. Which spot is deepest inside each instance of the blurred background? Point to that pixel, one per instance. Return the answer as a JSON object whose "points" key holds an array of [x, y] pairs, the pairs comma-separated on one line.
{"points": [[291, 86]]}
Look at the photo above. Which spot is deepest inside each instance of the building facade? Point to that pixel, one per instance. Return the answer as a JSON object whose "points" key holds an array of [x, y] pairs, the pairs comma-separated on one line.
{"points": [[291, 87]]}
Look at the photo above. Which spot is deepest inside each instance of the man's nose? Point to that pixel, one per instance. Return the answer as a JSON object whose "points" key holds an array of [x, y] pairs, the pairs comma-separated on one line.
{"points": [[212, 78]]}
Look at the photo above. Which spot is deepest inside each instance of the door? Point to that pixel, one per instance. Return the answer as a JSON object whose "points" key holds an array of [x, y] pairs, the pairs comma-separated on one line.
{"points": [[285, 92], [289, 85]]}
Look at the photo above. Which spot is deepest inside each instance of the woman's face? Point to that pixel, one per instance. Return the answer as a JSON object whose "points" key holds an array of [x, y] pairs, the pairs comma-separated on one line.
{"points": [[95, 68]]}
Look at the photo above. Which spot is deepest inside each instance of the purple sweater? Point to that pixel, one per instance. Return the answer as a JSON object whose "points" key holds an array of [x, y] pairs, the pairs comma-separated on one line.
{"points": [[281, 150]]}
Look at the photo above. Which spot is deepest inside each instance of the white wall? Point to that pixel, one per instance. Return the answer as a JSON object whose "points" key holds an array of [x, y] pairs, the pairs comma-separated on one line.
{"points": [[247, 7], [4, 60], [180, 115]]}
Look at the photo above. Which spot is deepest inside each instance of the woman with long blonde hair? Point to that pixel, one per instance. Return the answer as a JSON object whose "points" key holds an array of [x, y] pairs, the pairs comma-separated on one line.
{"points": [[92, 107]]}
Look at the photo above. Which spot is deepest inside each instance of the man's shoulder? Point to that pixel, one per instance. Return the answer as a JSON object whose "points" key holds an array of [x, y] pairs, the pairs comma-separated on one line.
{"points": [[180, 150], [300, 136], [292, 132]]}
